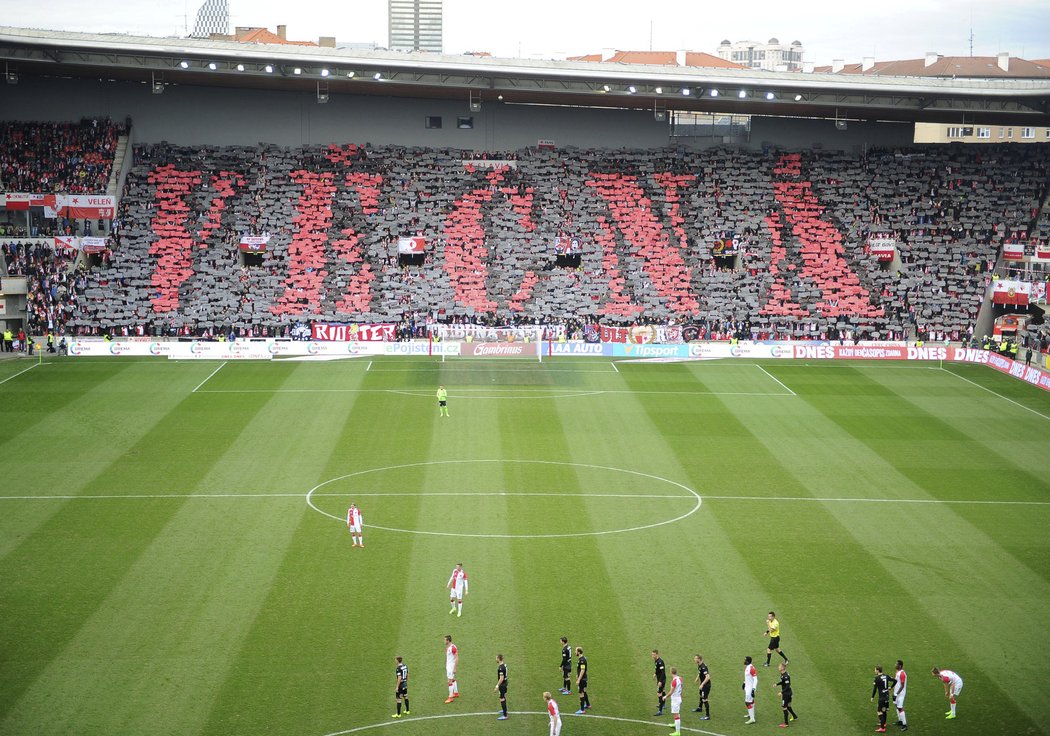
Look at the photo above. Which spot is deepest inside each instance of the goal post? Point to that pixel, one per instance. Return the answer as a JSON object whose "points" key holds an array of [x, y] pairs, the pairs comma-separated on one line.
{"points": [[481, 341]]}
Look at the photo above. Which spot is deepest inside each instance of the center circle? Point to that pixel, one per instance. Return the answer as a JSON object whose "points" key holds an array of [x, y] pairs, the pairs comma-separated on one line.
{"points": [[679, 493]]}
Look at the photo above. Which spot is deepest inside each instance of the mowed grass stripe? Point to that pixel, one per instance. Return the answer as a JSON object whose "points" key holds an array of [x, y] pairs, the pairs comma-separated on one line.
{"points": [[80, 559], [730, 571], [935, 532], [327, 624], [67, 429]]}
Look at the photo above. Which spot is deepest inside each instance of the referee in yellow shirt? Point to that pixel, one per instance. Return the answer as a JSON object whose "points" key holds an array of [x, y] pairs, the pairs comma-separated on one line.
{"points": [[442, 397], [773, 632]]}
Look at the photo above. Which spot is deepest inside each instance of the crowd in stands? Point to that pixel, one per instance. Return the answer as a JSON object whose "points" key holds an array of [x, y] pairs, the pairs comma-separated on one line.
{"points": [[58, 158], [646, 220], [53, 286]]}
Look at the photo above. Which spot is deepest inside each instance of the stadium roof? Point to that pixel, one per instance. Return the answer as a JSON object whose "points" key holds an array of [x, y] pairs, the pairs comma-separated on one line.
{"points": [[183, 61]]}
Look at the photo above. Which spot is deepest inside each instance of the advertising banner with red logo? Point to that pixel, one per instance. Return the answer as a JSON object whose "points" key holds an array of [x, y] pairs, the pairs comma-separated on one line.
{"points": [[87, 206], [1011, 292], [338, 332], [882, 248], [94, 245], [254, 243], [1013, 251], [498, 349], [412, 246], [23, 201]]}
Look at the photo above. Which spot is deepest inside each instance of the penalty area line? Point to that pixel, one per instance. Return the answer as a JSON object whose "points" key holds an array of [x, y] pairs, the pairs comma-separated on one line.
{"points": [[209, 377], [775, 379], [993, 393]]}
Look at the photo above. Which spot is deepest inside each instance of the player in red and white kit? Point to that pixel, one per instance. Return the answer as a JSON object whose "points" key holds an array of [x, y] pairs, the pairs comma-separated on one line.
{"points": [[554, 713], [354, 520], [451, 665], [900, 690], [457, 585], [953, 685], [675, 694], [750, 686]]}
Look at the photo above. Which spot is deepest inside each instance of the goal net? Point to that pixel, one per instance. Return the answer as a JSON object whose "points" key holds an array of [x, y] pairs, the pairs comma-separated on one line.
{"points": [[479, 341]]}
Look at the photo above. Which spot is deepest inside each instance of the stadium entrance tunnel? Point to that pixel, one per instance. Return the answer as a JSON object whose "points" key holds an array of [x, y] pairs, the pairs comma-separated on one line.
{"points": [[506, 499]]}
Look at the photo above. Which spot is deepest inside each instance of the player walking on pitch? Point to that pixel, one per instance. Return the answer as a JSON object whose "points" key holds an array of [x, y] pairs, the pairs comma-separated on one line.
{"points": [[785, 695], [451, 665], [675, 694], [881, 687], [401, 689], [354, 521], [703, 680], [900, 689], [750, 686], [773, 632], [953, 685], [457, 584], [554, 713], [501, 685], [442, 397], [566, 667], [660, 675]]}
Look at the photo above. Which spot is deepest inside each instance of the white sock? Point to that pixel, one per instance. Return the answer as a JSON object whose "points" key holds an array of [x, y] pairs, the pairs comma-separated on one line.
{"points": [[455, 687], [677, 725], [904, 719], [451, 690], [953, 709], [461, 606]]}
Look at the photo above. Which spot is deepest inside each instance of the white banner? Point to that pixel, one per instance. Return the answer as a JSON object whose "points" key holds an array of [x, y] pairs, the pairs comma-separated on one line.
{"points": [[412, 245]]}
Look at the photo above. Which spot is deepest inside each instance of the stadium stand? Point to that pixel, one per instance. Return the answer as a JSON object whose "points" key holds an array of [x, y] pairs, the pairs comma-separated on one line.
{"points": [[647, 220], [57, 158]]}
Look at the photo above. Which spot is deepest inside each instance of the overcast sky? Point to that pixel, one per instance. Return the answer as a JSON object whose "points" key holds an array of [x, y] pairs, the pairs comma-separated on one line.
{"points": [[828, 29]]}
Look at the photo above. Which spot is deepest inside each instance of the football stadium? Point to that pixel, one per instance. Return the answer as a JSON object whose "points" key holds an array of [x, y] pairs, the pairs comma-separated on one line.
{"points": [[679, 358]]}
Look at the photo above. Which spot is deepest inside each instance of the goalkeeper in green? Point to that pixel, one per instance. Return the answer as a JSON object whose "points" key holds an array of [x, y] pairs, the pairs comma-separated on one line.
{"points": [[442, 396]]}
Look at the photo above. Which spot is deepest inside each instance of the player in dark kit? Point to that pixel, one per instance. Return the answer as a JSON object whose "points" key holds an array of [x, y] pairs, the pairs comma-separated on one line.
{"points": [[566, 667], [501, 685], [785, 695], [581, 681], [703, 681], [660, 675], [401, 690], [881, 687]]}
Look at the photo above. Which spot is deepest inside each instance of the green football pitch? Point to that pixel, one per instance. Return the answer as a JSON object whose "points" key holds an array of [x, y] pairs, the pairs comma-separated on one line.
{"points": [[174, 557]]}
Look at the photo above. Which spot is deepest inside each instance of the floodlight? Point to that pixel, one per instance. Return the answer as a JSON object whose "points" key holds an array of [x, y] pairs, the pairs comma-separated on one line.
{"points": [[212, 65], [770, 96], [685, 91], [377, 76], [268, 68], [714, 93], [659, 90], [350, 75], [297, 70], [742, 94], [240, 67], [184, 64], [632, 89], [798, 98], [324, 72]]}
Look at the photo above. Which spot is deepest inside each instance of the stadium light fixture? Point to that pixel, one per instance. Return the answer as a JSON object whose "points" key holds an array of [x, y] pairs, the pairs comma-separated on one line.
{"points": [[798, 98], [350, 74], [240, 67], [632, 89], [770, 96], [659, 90], [377, 76], [714, 93], [297, 70], [605, 88], [499, 97], [685, 92], [325, 72], [742, 94], [184, 64], [268, 68], [212, 65]]}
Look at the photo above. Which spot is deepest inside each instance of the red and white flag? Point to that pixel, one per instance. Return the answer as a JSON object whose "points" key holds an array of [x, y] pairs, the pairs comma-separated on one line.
{"points": [[412, 246], [1010, 292]]}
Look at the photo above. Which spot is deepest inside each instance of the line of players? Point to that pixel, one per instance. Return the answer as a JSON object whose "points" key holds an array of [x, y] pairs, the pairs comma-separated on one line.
{"points": [[883, 688]]}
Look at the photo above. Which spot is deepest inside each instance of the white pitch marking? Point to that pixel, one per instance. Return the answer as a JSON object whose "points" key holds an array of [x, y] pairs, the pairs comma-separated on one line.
{"points": [[209, 377], [20, 373], [613, 364], [993, 393], [567, 714], [775, 379], [148, 496], [554, 390], [690, 512], [368, 367], [878, 500]]}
